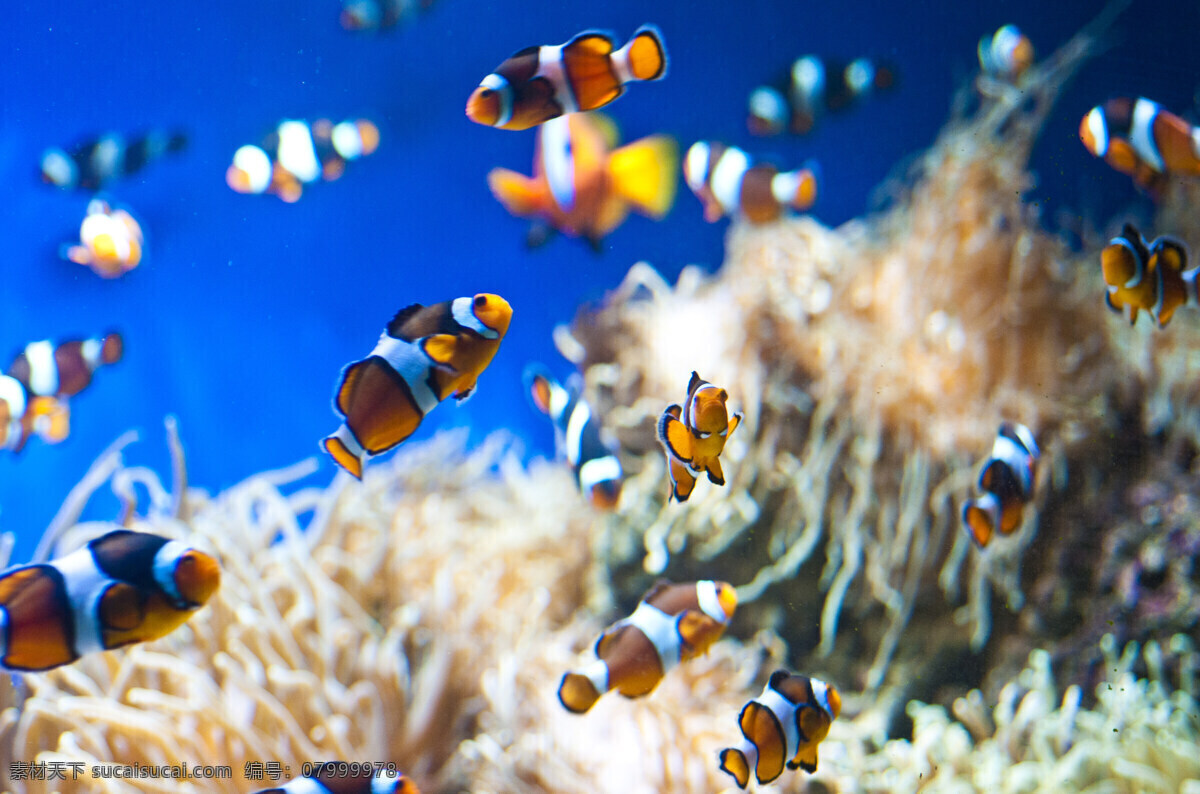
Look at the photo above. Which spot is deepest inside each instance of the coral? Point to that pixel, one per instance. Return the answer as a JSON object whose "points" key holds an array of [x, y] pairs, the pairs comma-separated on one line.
{"points": [[365, 637], [1141, 737]]}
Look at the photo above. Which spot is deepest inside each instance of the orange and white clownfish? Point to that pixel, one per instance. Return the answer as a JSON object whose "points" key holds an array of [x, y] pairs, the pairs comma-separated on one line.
{"points": [[1150, 277], [297, 153], [1139, 138], [813, 86], [425, 354], [335, 778], [1006, 54], [578, 435], [1006, 482], [121, 588], [65, 369], [110, 241], [694, 435], [673, 623], [48, 418], [23, 415], [380, 14], [583, 187], [537, 84], [782, 727], [728, 183], [94, 163]]}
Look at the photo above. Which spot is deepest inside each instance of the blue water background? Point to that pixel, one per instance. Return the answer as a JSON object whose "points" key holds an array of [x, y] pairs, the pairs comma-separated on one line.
{"points": [[245, 308]]}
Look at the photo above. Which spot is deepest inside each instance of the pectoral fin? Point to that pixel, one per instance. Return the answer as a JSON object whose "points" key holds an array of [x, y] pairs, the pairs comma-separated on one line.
{"points": [[715, 475], [441, 349], [674, 435], [734, 421], [682, 481]]}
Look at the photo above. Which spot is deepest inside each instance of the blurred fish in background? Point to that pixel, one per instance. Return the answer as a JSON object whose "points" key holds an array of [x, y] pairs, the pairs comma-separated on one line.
{"points": [[374, 15], [814, 86], [728, 182], [584, 187], [297, 153], [110, 241], [94, 163], [1006, 54]]}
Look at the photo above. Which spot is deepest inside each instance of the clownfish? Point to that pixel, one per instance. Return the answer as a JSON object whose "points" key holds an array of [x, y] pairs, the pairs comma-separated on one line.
{"points": [[65, 369], [1006, 54], [1145, 276], [813, 86], [694, 435], [583, 187], [782, 727], [1139, 138], [23, 416], [673, 623], [123, 587], [537, 84], [48, 418], [110, 241], [336, 778], [578, 435], [297, 153], [380, 14], [93, 164], [425, 354], [727, 183], [1007, 485]]}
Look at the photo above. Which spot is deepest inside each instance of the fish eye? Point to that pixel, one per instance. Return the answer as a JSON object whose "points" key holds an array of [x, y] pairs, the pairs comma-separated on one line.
{"points": [[480, 301], [486, 93], [722, 432], [704, 434]]}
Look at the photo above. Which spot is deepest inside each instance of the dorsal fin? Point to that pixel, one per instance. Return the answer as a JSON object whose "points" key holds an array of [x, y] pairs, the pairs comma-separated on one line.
{"points": [[610, 636], [777, 677], [402, 316], [656, 588]]}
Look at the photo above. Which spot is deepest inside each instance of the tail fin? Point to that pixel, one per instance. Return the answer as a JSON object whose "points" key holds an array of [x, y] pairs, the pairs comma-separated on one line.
{"points": [[733, 762], [645, 55], [644, 174], [112, 348], [577, 693], [79, 254], [517, 192], [346, 451]]}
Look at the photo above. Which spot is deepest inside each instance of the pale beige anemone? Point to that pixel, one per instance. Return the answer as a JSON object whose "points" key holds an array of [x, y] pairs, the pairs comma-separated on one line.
{"points": [[874, 364]]}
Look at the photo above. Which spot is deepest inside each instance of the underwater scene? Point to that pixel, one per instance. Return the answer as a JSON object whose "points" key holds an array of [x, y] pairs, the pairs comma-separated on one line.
{"points": [[443, 396]]}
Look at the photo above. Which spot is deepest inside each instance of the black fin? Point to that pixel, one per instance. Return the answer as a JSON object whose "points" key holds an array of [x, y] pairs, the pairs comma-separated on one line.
{"points": [[402, 316]]}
